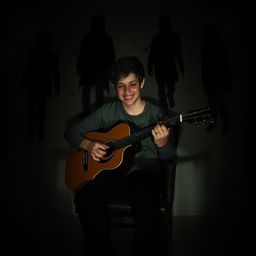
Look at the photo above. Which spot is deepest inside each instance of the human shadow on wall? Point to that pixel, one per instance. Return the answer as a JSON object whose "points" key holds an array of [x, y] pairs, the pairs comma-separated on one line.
{"points": [[215, 75], [165, 60], [95, 57], [41, 74]]}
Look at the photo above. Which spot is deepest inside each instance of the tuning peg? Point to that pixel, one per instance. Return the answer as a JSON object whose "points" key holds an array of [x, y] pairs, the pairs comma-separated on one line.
{"points": [[196, 123], [212, 120]]}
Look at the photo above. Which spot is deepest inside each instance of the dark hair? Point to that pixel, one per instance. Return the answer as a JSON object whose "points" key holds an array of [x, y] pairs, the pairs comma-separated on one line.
{"points": [[98, 23], [165, 23], [123, 67]]}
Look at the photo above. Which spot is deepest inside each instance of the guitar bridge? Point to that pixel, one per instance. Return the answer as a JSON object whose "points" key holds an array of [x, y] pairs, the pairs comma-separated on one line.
{"points": [[85, 160]]}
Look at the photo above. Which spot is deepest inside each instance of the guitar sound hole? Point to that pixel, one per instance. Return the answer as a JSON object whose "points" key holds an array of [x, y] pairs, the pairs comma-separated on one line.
{"points": [[109, 153]]}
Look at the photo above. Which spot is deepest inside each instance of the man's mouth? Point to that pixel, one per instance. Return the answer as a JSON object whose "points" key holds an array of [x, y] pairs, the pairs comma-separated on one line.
{"points": [[128, 97]]}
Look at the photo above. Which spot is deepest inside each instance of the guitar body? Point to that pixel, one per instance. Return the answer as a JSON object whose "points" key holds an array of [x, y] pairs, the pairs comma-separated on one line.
{"points": [[80, 166]]}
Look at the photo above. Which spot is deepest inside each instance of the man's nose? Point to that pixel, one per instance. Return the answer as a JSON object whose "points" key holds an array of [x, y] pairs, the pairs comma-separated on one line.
{"points": [[127, 88]]}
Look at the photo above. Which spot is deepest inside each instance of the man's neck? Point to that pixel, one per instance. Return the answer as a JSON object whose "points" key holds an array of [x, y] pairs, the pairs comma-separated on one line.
{"points": [[135, 109]]}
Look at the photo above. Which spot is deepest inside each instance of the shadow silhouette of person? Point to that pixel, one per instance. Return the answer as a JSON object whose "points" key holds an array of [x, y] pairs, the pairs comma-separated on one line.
{"points": [[166, 60], [95, 57], [215, 75], [41, 78]]}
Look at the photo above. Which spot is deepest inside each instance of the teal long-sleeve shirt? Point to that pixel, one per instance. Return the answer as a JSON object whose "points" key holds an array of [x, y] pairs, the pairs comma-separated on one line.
{"points": [[107, 116]]}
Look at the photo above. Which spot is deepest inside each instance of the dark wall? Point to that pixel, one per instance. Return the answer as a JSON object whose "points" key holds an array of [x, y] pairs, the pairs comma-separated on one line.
{"points": [[210, 174]]}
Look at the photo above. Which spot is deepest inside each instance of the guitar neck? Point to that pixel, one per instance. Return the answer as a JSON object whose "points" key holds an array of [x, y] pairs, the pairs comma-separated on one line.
{"points": [[191, 117], [144, 133]]}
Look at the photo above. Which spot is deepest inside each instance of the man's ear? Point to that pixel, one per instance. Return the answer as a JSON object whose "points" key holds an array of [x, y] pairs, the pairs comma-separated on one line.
{"points": [[142, 83], [113, 86]]}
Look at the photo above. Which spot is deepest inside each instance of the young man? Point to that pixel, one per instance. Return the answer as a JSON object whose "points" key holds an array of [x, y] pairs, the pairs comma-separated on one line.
{"points": [[140, 185]]}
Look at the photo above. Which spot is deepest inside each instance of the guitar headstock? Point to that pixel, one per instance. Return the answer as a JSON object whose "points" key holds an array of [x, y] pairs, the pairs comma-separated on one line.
{"points": [[197, 116]]}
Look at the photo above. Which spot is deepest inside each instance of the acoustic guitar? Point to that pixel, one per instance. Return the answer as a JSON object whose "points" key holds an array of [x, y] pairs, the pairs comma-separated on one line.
{"points": [[81, 168]]}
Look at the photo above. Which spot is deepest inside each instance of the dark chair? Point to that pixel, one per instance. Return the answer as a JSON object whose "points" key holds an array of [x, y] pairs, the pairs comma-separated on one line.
{"points": [[120, 212]]}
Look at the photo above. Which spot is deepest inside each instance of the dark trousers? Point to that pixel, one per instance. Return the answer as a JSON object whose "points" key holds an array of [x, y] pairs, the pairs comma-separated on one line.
{"points": [[141, 188]]}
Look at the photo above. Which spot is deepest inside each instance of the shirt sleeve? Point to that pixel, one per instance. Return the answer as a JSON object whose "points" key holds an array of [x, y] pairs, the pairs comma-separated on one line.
{"points": [[167, 152], [74, 134]]}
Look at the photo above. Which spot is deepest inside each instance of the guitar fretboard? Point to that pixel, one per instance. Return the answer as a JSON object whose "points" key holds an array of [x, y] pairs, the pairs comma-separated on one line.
{"points": [[142, 134]]}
